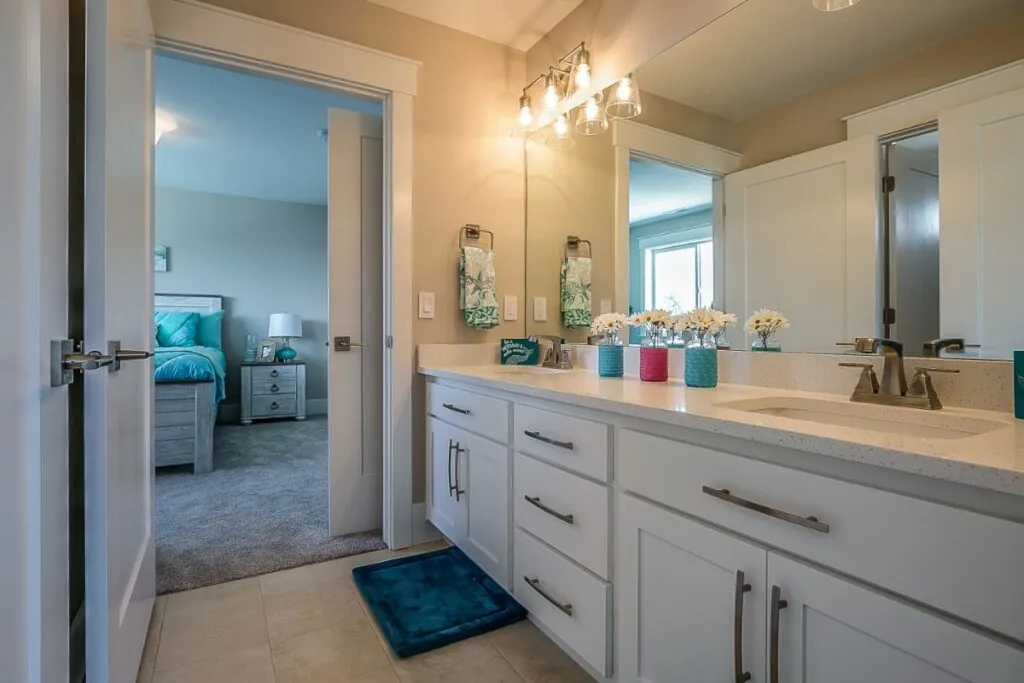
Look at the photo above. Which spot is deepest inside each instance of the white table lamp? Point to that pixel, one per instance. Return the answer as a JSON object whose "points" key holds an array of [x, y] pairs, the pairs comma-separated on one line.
{"points": [[286, 326]]}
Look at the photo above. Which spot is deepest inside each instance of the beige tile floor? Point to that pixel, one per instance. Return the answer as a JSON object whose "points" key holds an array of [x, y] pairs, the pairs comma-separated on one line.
{"points": [[310, 625]]}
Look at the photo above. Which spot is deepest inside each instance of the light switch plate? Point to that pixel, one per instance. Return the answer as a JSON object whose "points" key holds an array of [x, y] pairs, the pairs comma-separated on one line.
{"points": [[511, 307], [540, 309], [606, 306], [426, 305]]}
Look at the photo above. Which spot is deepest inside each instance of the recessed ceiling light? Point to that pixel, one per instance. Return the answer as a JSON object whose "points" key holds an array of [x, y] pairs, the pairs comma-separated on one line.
{"points": [[833, 5]]}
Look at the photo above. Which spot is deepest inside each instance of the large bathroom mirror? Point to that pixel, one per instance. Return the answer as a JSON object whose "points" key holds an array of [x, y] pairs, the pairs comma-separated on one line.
{"points": [[858, 171]]}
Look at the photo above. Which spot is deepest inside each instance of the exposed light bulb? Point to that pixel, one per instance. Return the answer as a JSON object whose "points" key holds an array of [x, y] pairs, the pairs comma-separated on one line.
{"points": [[590, 109], [581, 75], [525, 112], [625, 100], [552, 95], [624, 91], [561, 126], [592, 119]]}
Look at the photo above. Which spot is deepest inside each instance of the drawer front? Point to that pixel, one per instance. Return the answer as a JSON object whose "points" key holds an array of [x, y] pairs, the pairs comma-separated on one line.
{"points": [[175, 405], [171, 392], [957, 561], [570, 442], [564, 510], [270, 387], [170, 433], [269, 406], [484, 415], [577, 604], [269, 373], [174, 452]]}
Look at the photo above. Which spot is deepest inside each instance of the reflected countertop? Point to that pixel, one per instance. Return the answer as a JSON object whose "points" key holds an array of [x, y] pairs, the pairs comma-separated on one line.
{"points": [[992, 460]]}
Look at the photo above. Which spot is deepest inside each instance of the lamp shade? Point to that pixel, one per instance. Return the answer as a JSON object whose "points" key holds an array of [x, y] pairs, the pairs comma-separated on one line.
{"points": [[285, 325]]}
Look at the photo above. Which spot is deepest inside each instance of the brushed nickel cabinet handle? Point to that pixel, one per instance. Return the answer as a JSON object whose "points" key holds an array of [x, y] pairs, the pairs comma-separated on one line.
{"points": [[564, 607], [742, 587], [459, 491], [454, 409], [812, 523], [451, 446], [567, 445], [778, 604], [535, 501]]}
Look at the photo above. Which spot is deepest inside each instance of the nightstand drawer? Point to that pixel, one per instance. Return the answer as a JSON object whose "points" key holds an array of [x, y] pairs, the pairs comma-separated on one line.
{"points": [[269, 387], [269, 406], [272, 372]]}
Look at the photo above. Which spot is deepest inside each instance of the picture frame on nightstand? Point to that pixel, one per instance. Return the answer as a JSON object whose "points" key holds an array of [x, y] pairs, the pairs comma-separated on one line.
{"points": [[266, 350]]}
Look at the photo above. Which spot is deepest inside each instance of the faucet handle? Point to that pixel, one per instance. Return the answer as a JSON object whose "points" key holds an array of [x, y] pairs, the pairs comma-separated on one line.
{"points": [[925, 370], [868, 382], [921, 386]]}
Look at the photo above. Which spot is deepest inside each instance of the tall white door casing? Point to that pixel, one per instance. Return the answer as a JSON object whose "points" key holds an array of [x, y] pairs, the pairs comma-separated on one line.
{"points": [[677, 599], [837, 631], [33, 278], [981, 162], [118, 300], [801, 237], [355, 309]]}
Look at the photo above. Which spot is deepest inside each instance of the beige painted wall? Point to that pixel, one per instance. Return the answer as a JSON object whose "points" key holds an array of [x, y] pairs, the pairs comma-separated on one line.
{"points": [[816, 120], [467, 167]]}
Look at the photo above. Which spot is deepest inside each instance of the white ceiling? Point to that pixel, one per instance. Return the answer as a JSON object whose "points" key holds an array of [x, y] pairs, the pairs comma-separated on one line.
{"points": [[768, 52], [244, 135], [657, 189], [517, 23]]}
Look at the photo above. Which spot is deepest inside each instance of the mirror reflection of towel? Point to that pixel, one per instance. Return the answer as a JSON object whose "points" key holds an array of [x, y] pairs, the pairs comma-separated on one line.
{"points": [[478, 294], [575, 278]]}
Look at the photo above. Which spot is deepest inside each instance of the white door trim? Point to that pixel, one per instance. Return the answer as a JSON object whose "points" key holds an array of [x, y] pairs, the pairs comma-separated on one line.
{"points": [[629, 136], [926, 106], [212, 33]]}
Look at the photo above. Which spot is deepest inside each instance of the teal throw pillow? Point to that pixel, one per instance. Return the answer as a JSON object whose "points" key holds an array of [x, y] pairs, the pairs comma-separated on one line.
{"points": [[176, 328], [208, 332]]}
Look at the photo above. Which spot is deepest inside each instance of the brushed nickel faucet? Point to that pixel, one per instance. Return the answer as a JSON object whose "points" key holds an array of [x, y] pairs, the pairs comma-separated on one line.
{"points": [[893, 390], [556, 357], [933, 348]]}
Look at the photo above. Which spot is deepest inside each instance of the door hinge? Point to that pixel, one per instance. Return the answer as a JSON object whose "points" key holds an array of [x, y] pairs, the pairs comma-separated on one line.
{"points": [[888, 316], [888, 184], [389, 342]]}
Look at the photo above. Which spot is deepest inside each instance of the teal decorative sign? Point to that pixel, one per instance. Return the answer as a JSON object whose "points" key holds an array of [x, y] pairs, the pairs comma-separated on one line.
{"points": [[1018, 384], [520, 352]]}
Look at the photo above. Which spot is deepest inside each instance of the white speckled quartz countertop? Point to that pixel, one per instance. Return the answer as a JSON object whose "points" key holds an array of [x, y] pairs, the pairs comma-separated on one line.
{"points": [[993, 461]]}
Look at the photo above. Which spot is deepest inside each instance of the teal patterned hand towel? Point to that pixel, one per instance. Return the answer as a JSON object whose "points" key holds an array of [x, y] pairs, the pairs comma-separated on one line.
{"points": [[478, 295], [576, 310]]}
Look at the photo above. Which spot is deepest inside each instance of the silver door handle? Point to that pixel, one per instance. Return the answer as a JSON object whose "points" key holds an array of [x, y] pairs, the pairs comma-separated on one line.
{"points": [[812, 523], [85, 361], [535, 501], [564, 607], [119, 355]]}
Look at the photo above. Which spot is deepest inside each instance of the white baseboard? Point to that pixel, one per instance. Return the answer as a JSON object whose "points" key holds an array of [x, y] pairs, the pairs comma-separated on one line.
{"points": [[422, 530]]}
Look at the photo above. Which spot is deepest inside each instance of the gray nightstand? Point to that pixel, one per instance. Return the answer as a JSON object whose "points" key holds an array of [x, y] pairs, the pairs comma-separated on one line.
{"points": [[273, 390]]}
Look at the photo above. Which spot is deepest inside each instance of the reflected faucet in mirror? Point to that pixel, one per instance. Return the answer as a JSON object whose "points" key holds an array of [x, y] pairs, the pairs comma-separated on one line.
{"points": [[556, 356], [893, 390]]}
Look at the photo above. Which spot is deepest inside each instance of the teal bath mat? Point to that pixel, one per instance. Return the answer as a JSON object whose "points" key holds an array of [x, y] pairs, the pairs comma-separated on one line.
{"points": [[423, 602]]}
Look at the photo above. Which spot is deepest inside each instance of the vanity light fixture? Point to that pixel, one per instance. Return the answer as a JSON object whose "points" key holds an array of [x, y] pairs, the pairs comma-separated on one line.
{"points": [[592, 119], [552, 92], [525, 112], [562, 133], [624, 102], [833, 5], [581, 69]]}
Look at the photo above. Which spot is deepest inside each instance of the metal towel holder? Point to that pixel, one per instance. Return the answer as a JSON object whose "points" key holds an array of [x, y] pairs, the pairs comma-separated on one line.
{"points": [[472, 232], [574, 243]]}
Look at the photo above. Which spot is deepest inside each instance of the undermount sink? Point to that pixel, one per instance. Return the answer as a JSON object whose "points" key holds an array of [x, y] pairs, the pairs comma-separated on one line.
{"points": [[525, 370], [884, 419]]}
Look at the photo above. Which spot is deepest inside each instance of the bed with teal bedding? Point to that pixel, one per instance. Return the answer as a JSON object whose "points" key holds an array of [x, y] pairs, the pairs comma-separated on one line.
{"points": [[189, 371]]}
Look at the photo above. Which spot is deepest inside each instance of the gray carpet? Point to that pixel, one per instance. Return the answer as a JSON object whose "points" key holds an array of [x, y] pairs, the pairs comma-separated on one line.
{"points": [[262, 509]]}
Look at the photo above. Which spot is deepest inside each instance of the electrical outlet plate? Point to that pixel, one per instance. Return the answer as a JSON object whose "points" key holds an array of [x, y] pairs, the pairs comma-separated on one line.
{"points": [[511, 307], [606, 306], [540, 309], [426, 305]]}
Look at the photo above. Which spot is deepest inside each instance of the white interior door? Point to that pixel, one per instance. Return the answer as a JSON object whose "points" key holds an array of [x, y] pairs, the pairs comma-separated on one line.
{"points": [[981, 162], [355, 309], [813, 214], [118, 290]]}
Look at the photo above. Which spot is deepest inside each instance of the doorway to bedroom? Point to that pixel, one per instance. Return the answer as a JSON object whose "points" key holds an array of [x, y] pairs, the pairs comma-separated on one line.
{"points": [[267, 211]]}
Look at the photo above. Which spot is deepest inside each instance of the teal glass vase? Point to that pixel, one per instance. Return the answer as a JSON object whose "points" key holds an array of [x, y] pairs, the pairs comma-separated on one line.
{"points": [[286, 354], [701, 369]]}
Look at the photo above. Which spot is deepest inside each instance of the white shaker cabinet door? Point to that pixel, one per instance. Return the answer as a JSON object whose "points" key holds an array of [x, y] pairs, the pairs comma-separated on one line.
{"points": [[691, 600], [486, 494], [981, 163], [447, 512], [830, 630]]}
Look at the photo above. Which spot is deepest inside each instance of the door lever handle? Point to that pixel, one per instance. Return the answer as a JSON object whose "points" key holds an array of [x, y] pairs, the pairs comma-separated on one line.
{"points": [[118, 355]]}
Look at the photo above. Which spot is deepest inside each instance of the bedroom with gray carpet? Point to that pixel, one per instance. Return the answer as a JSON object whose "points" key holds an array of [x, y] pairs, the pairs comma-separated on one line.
{"points": [[241, 272]]}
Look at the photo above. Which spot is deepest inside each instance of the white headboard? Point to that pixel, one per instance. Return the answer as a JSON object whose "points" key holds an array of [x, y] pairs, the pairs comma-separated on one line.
{"points": [[186, 302]]}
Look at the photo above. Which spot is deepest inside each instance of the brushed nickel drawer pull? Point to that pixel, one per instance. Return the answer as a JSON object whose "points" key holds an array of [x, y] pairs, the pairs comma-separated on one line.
{"points": [[568, 519], [460, 411], [778, 604], [274, 388], [567, 445], [275, 373], [742, 587], [274, 406], [811, 523], [565, 608]]}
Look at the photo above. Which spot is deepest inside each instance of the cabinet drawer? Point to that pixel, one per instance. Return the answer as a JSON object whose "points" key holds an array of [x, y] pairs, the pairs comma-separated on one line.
{"points": [[572, 603], [566, 511], [960, 562], [571, 442], [269, 387], [267, 406], [475, 412], [271, 372]]}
